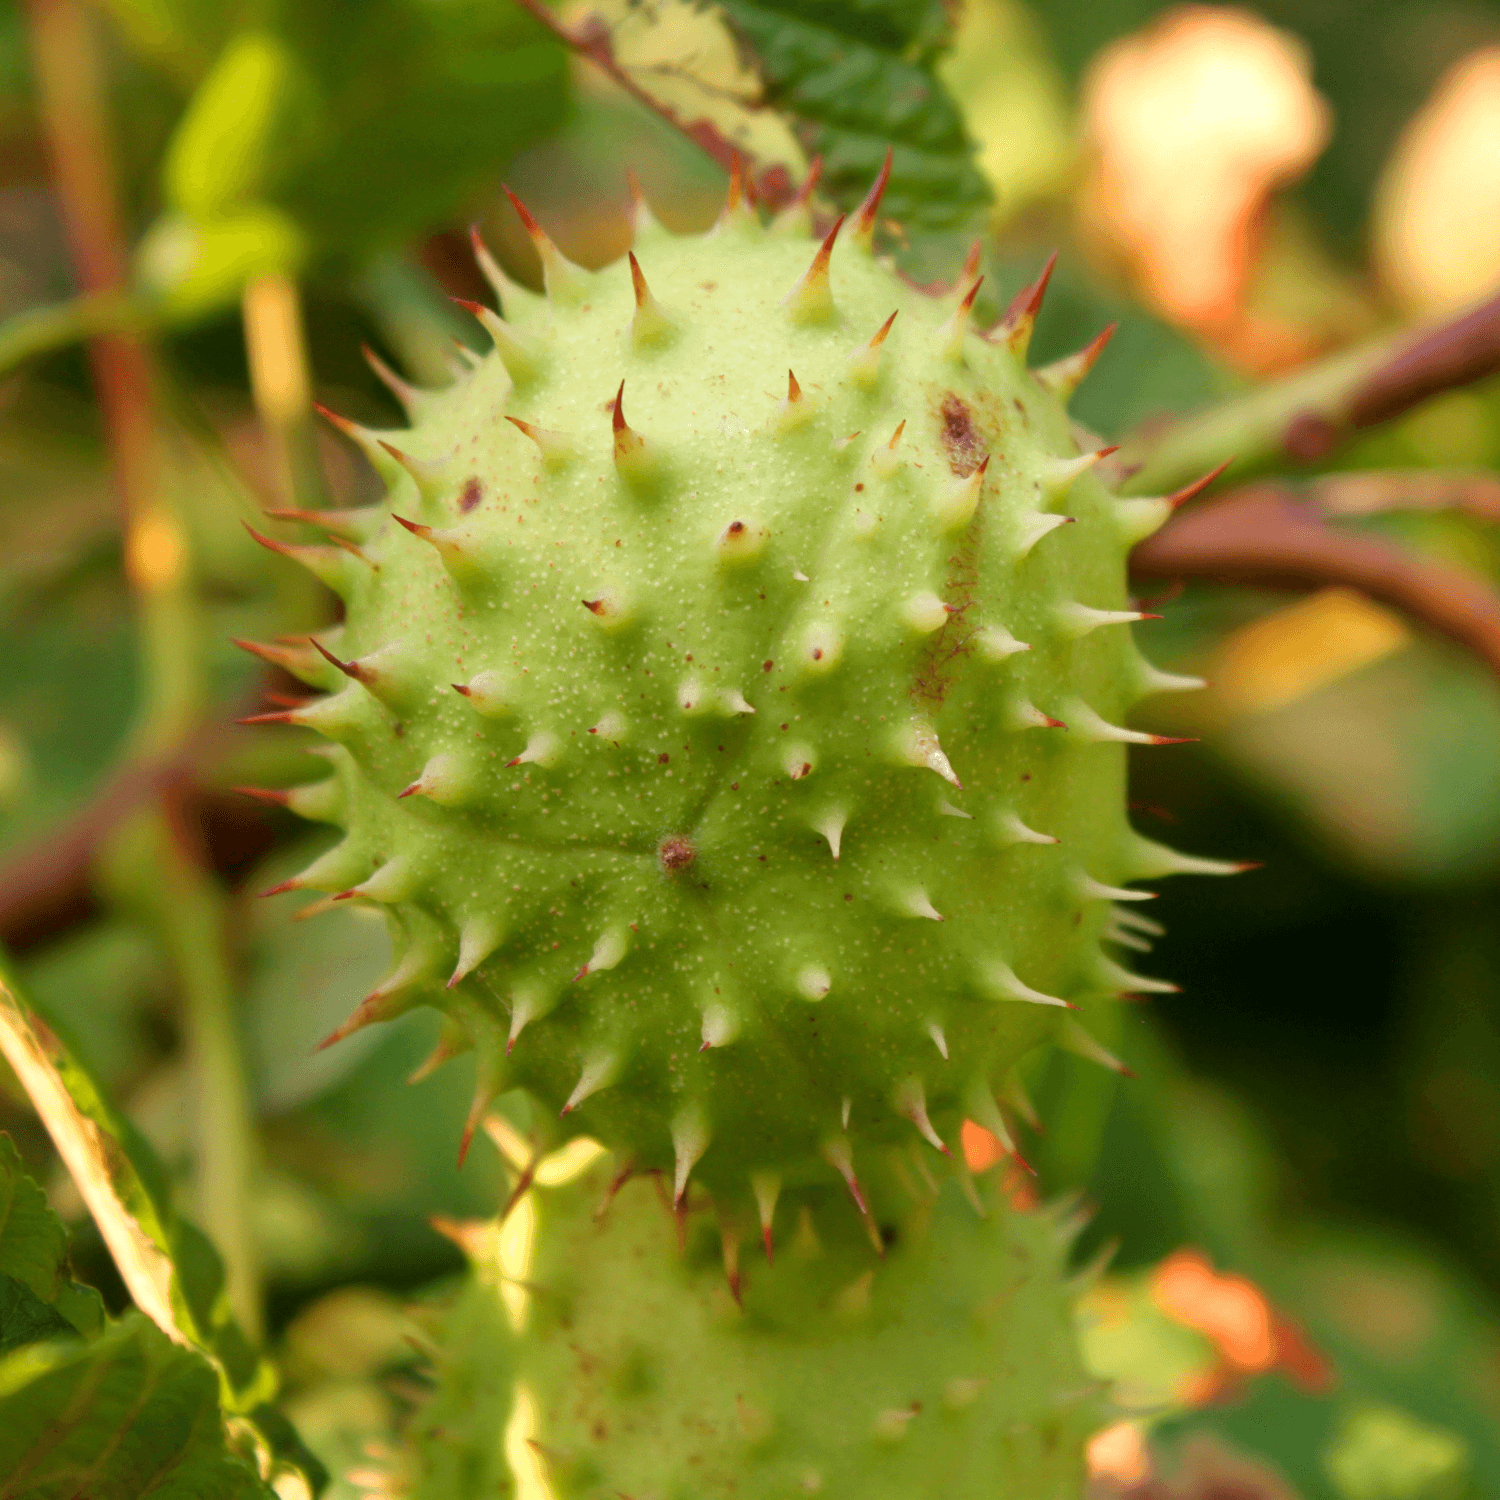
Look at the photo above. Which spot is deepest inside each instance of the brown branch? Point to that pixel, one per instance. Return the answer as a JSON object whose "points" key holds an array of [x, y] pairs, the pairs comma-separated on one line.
{"points": [[1372, 492], [1453, 354], [592, 40], [1267, 536], [47, 884], [1314, 411]]}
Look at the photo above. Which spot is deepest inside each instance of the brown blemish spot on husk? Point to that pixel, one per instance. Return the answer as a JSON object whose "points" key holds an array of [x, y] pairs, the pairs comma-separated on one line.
{"points": [[961, 439], [676, 852], [471, 494]]}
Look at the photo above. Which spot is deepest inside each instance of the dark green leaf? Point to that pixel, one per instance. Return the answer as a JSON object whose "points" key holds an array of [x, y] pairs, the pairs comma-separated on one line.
{"points": [[236, 1372], [37, 1299], [128, 1415], [858, 76]]}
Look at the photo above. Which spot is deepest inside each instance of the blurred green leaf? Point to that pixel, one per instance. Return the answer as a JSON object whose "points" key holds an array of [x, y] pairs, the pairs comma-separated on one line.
{"points": [[1384, 1454], [858, 76], [251, 121], [191, 267], [364, 120], [179, 36]]}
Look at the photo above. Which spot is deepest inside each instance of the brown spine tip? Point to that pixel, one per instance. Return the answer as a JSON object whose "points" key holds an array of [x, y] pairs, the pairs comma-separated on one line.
{"points": [[1051, 723], [403, 390], [270, 543], [1190, 491], [969, 296], [294, 884], [1168, 739], [275, 796], [638, 281], [535, 230], [896, 435], [281, 716], [809, 184], [864, 215], [852, 1182], [766, 1237], [348, 668], [415, 527], [525, 428], [478, 309], [594, 607], [618, 415], [811, 300], [462, 689], [883, 331], [818, 270], [736, 183], [1065, 375], [1028, 301], [971, 261], [343, 424], [793, 390], [277, 656], [1097, 345]]}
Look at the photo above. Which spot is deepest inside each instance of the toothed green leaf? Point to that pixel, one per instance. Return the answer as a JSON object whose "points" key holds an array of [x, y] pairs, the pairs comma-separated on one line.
{"points": [[125, 1415], [233, 1367], [38, 1300], [113, 1413], [857, 78]]}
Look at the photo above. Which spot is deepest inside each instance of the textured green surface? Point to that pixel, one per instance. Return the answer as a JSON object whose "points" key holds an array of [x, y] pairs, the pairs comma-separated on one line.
{"points": [[586, 1357], [746, 825]]}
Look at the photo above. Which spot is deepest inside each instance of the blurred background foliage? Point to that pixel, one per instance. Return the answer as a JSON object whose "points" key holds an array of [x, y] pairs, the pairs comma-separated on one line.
{"points": [[1302, 1187]]}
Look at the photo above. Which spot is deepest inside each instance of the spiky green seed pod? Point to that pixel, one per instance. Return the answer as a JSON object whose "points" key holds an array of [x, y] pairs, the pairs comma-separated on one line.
{"points": [[728, 705], [584, 1357]]}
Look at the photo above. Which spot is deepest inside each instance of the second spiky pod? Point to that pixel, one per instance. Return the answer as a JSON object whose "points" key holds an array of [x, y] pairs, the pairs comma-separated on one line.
{"points": [[728, 709], [584, 1358]]}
